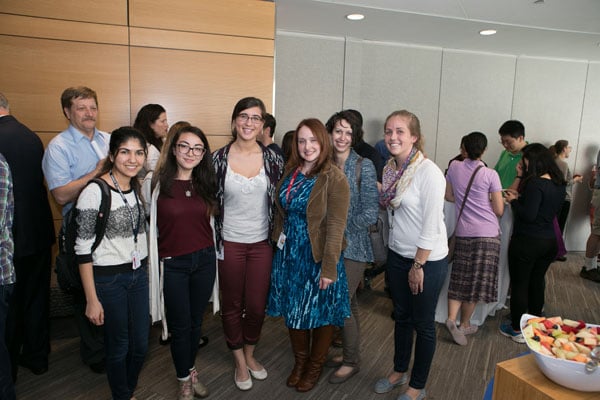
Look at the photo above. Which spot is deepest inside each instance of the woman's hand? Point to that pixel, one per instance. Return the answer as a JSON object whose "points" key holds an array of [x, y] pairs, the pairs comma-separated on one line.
{"points": [[510, 194], [324, 283], [95, 312], [415, 280]]}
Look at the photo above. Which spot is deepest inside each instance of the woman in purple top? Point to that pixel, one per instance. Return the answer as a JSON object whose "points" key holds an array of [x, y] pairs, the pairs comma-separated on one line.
{"points": [[474, 276]]}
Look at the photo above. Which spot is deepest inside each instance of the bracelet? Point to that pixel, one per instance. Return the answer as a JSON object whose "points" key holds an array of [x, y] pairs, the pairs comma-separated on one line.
{"points": [[417, 265]]}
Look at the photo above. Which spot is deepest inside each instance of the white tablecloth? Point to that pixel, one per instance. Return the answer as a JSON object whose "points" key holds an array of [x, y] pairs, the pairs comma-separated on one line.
{"points": [[482, 310]]}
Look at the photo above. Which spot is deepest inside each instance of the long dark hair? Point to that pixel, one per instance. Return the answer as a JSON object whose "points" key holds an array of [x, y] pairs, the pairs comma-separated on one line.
{"points": [[204, 179], [540, 162], [146, 117], [117, 138]]}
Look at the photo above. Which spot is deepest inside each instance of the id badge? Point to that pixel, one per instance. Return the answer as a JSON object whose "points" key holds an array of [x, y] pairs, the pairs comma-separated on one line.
{"points": [[135, 256], [281, 241]]}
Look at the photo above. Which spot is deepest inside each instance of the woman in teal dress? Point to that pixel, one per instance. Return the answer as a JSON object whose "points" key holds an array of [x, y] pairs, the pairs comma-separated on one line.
{"points": [[308, 281]]}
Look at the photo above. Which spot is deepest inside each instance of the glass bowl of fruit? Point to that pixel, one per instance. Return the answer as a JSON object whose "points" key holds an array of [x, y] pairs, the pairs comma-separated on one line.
{"points": [[565, 350]]}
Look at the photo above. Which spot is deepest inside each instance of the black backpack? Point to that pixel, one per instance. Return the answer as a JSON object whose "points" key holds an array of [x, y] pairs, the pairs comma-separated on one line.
{"points": [[67, 267]]}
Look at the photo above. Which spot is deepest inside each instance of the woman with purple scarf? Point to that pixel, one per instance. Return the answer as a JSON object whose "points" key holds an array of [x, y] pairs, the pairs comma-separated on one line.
{"points": [[413, 193]]}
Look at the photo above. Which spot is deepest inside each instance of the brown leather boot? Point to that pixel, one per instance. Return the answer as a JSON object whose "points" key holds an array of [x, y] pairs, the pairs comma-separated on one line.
{"points": [[321, 340], [300, 347]]}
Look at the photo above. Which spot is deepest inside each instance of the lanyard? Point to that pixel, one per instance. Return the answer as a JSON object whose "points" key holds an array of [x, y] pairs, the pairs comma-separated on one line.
{"points": [[289, 188], [134, 228]]}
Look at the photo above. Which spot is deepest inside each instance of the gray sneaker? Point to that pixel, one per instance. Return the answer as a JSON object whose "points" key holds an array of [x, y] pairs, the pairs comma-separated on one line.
{"points": [[591, 274]]}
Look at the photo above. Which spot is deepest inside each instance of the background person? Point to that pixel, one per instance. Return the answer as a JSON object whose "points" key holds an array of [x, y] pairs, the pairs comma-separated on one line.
{"points": [[590, 268], [413, 192], [183, 205], [308, 284], [267, 134], [474, 275], [115, 275], [151, 120], [362, 213], [72, 159], [247, 173], [533, 244], [28, 323], [512, 137]]}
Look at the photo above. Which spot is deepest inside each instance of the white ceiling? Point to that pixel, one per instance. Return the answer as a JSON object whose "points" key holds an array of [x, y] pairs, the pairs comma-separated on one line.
{"points": [[568, 29]]}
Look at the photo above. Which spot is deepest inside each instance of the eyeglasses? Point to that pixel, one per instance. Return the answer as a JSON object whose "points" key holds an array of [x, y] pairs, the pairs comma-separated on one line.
{"points": [[254, 118], [184, 148]]}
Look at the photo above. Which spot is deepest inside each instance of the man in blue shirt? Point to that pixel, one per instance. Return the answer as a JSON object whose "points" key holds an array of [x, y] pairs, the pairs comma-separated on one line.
{"points": [[7, 275], [72, 159]]}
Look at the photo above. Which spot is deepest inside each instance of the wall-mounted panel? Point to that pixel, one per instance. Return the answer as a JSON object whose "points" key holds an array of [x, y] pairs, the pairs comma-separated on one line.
{"points": [[310, 73], [393, 77], [144, 37], [476, 95], [198, 87], [101, 11], [41, 69], [43, 28], [249, 18]]}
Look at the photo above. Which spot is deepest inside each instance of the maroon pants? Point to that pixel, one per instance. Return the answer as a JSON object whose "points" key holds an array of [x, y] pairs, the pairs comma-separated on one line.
{"points": [[244, 278]]}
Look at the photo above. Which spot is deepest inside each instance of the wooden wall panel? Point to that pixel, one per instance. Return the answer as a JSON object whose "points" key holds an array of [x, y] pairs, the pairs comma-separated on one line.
{"points": [[100, 11], [16, 25], [198, 87], [144, 37], [231, 17], [39, 70]]}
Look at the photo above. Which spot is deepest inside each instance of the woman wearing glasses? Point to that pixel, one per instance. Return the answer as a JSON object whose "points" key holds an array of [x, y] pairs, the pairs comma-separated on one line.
{"points": [[247, 173], [183, 203]]}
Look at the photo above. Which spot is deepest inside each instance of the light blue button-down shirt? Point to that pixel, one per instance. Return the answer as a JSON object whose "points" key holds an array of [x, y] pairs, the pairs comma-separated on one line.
{"points": [[71, 155]]}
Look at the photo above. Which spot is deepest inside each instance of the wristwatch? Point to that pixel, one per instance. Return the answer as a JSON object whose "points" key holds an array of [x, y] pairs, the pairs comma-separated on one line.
{"points": [[417, 265]]}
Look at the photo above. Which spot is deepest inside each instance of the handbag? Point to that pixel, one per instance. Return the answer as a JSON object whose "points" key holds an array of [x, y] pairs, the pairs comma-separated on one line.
{"points": [[452, 238], [379, 231]]}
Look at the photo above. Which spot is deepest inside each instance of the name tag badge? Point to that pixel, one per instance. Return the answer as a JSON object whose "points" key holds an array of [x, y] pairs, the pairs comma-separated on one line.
{"points": [[281, 241], [135, 256]]}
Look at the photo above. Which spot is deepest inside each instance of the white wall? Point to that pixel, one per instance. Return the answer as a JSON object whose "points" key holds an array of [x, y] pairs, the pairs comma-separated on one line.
{"points": [[452, 92]]}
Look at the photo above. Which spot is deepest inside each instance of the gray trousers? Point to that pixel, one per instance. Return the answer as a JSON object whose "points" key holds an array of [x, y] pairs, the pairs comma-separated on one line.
{"points": [[351, 332]]}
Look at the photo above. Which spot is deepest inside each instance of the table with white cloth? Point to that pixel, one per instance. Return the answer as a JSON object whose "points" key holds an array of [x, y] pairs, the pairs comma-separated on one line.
{"points": [[482, 310]]}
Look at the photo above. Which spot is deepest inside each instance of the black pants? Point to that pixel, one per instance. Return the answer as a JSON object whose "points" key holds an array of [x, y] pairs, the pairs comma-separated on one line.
{"points": [[528, 261], [28, 333], [563, 214]]}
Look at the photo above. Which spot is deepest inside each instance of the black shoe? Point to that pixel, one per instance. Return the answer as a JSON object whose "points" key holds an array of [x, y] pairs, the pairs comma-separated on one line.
{"points": [[36, 370], [591, 274], [561, 258], [203, 342], [99, 367], [164, 342]]}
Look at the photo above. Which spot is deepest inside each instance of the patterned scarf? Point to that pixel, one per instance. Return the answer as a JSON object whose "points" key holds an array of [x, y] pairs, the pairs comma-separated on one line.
{"points": [[395, 182]]}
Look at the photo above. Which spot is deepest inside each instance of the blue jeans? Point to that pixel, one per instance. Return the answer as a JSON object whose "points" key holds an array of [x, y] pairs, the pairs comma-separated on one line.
{"points": [[7, 388], [124, 297], [188, 284], [414, 313]]}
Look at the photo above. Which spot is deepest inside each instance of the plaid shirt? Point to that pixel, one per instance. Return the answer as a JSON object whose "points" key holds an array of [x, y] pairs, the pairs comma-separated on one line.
{"points": [[7, 270]]}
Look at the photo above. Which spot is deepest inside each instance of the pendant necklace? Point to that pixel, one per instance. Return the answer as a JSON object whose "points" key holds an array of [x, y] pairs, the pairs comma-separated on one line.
{"points": [[188, 192]]}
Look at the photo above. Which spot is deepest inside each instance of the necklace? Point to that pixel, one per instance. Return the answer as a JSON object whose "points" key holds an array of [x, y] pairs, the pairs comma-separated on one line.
{"points": [[188, 192]]}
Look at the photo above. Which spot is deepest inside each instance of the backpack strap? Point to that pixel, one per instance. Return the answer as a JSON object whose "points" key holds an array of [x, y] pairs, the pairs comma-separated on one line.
{"points": [[358, 172], [103, 211]]}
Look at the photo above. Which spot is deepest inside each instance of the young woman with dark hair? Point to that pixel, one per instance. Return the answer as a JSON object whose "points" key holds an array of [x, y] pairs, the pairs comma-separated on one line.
{"points": [[308, 284], [183, 258], [533, 244], [151, 120], [115, 275], [247, 173]]}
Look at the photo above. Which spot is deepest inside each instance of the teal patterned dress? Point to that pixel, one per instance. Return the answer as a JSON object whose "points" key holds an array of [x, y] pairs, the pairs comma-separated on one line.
{"points": [[295, 293]]}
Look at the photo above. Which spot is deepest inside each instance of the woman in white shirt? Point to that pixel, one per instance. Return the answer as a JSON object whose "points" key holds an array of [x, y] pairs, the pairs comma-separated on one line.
{"points": [[413, 192]]}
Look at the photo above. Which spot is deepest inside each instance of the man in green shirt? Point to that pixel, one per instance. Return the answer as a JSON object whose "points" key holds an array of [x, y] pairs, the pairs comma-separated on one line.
{"points": [[512, 137]]}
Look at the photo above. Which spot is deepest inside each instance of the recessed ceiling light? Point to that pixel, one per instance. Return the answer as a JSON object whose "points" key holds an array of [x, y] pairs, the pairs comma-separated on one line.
{"points": [[487, 32], [355, 17]]}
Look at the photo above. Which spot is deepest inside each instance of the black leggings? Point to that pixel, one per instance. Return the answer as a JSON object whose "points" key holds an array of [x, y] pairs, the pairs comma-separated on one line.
{"points": [[528, 261]]}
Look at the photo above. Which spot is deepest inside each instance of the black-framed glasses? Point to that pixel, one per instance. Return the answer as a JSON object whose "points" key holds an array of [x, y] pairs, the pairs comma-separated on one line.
{"points": [[254, 118], [184, 148]]}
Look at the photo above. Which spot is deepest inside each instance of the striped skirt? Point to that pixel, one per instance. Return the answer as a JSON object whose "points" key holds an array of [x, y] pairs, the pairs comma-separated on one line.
{"points": [[474, 276]]}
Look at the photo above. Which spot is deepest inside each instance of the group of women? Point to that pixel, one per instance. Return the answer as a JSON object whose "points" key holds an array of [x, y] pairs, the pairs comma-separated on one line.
{"points": [[289, 241]]}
